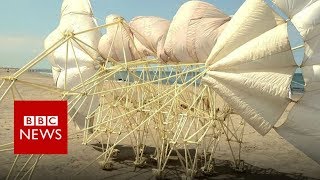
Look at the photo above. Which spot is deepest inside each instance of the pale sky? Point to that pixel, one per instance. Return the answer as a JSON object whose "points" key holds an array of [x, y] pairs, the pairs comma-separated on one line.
{"points": [[25, 23]]}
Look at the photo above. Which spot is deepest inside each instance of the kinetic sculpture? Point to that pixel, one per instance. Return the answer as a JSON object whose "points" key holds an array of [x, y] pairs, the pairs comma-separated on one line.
{"points": [[155, 82]]}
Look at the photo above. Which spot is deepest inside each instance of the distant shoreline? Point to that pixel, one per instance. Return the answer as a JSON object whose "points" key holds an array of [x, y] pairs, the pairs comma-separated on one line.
{"points": [[50, 71], [30, 70], [297, 84]]}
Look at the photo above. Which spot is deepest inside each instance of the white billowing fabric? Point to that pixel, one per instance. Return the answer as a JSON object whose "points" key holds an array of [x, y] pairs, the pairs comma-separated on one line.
{"points": [[75, 56], [161, 54], [73, 76], [52, 39], [194, 31], [76, 16], [254, 79], [311, 75], [307, 21], [148, 31], [302, 128], [310, 66], [77, 7], [118, 43], [251, 65], [252, 19], [142, 48], [292, 7]]}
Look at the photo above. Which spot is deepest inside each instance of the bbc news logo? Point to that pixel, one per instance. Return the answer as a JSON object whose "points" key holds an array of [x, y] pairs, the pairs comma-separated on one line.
{"points": [[36, 134], [40, 127]]}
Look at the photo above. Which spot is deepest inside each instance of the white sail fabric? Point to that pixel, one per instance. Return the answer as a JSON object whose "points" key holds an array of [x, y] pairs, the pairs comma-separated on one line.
{"points": [[72, 76], [307, 21], [194, 31], [161, 53], [302, 128], [292, 7], [148, 31], [82, 106], [75, 58], [251, 65], [77, 7], [254, 78], [71, 57], [76, 16], [118, 42], [253, 18]]}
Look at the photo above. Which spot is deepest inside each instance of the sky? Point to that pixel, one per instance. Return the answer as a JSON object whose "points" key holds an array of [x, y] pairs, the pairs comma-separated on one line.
{"points": [[26, 23]]}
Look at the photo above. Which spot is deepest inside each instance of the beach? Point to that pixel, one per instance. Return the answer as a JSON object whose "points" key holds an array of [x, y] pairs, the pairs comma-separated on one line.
{"points": [[268, 157]]}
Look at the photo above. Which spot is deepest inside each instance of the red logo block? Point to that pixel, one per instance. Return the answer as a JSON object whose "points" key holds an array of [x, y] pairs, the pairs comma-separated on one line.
{"points": [[40, 127]]}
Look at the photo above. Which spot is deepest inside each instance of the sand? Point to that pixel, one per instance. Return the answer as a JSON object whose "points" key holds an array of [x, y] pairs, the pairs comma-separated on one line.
{"points": [[268, 157]]}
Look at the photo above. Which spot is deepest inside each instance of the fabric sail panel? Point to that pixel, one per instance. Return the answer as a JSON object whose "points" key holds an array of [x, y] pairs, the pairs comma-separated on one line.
{"points": [[193, 32], [252, 19], [255, 83], [73, 79], [161, 54], [302, 128], [73, 76], [307, 23], [74, 58], [148, 31], [76, 17], [292, 7], [118, 42]]}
